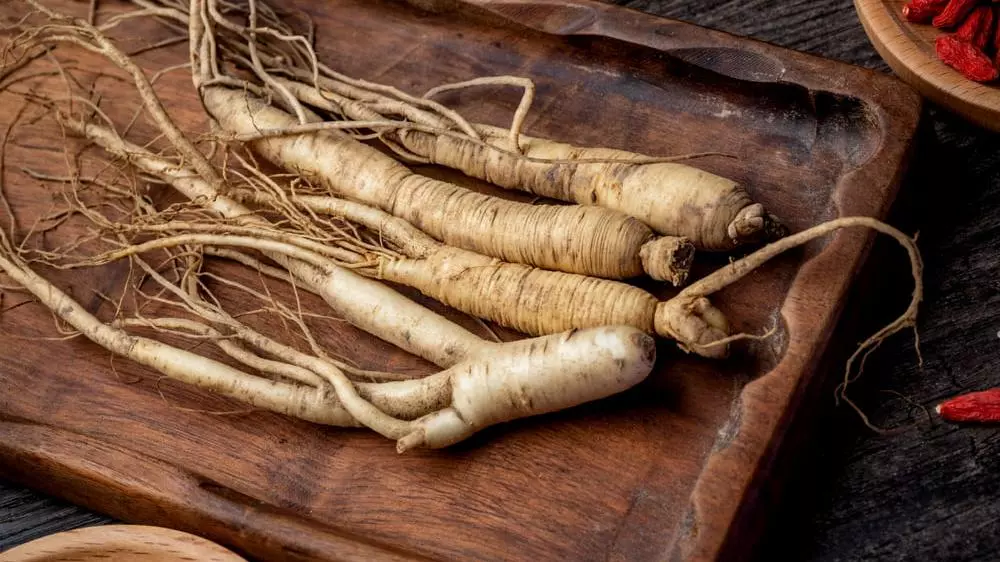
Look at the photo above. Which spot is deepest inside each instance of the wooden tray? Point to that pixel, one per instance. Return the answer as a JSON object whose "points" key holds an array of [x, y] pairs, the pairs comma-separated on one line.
{"points": [[670, 469], [909, 50]]}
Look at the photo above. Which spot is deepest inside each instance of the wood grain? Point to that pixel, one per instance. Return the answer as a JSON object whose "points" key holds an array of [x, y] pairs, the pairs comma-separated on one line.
{"points": [[120, 543], [909, 50], [931, 491], [661, 469]]}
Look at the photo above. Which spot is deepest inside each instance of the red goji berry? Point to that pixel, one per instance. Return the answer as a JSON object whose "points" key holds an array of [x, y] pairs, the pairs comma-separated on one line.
{"points": [[965, 58], [923, 11], [954, 13], [977, 28], [981, 406]]}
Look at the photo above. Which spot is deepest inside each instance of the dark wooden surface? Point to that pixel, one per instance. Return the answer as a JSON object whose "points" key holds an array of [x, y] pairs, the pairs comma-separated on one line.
{"points": [[926, 492]]}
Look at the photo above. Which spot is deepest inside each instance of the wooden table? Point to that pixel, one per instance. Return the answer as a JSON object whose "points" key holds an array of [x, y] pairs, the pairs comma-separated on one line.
{"points": [[929, 491]]}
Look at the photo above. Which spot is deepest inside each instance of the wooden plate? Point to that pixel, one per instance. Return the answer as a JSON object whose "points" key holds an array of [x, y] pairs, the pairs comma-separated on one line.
{"points": [[678, 468], [909, 50], [120, 543]]}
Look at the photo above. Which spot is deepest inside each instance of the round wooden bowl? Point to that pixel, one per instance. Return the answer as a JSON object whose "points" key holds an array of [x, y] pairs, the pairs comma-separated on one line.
{"points": [[909, 50], [120, 543]]}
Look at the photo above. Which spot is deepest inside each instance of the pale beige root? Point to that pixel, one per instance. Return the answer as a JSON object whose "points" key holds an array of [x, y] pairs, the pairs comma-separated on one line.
{"points": [[82, 34], [553, 293], [533, 377], [556, 238], [674, 199], [575, 239], [195, 369], [405, 400], [531, 300], [412, 241], [309, 403], [715, 213], [367, 304], [666, 258], [230, 346], [523, 378], [700, 327]]}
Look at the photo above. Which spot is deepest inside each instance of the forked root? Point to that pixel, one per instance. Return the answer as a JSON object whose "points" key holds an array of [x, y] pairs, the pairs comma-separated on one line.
{"points": [[520, 379], [536, 376], [309, 403], [690, 317]]}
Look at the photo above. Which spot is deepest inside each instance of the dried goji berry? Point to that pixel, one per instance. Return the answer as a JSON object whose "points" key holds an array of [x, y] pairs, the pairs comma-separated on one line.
{"points": [[923, 11], [954, 13], [966, 58], [996, 34], [987, 31], [981, 406], [977, 28]]}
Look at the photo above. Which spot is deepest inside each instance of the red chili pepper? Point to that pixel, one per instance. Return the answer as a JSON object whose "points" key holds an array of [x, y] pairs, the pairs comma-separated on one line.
{"points": [[973, 407], [923, 11], [977, 28], [988, 31], [965, 58], [954, 13], [996, 36]]}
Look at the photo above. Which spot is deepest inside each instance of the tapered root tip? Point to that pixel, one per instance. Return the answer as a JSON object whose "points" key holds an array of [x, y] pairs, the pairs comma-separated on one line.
{"points": [[668, 258], [696, 325], [753, 224], [410, 441], [442, 428]]}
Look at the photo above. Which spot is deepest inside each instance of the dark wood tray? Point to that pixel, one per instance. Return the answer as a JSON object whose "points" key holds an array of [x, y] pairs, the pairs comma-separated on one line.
{"points": [[668, 470]]}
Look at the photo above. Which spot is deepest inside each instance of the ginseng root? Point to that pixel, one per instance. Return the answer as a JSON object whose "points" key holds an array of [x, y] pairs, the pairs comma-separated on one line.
{"points": [[586, 240], [523, 378], [576, 239], [363, 302], [527, 299], [523, 298], [367, 304], [713, 212]]}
